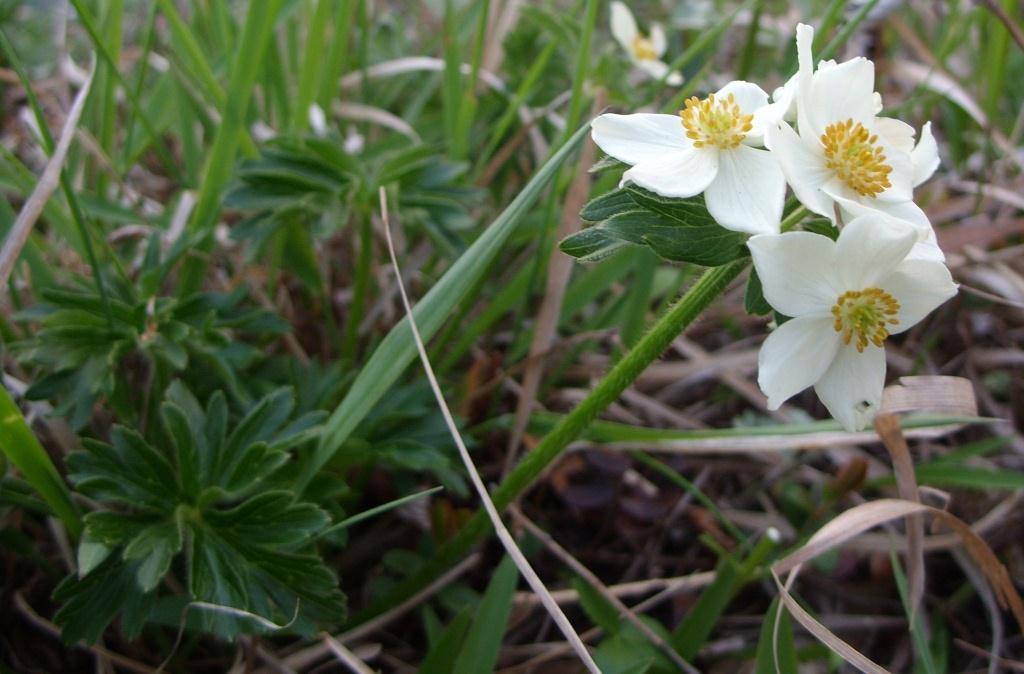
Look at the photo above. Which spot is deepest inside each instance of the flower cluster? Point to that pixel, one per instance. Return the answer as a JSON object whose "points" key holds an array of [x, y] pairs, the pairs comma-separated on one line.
{"points": [[837, 300]]}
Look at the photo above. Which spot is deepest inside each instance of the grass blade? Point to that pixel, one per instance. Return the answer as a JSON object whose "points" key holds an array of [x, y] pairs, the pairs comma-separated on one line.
{"points": [[219, 167], [398, 350], [479, 653], [20, 445]]}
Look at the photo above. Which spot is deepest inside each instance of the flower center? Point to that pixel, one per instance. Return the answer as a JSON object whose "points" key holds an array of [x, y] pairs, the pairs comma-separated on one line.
{"points": [[856, 158], [866, 315], [643, 48], [715, 121]]}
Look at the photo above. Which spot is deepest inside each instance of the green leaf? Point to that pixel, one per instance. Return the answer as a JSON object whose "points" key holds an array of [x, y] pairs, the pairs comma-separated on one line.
{"points": [[89, 604], [619, 654], [590, 245], [680, 230], [441, 657], [753, 299], [597, 608], [248, 555], [607, 205], [90, 554], [694, 630], [764, 658], [19, 444], [479, 652], [270, 518], [397, 349], [154, 548]]}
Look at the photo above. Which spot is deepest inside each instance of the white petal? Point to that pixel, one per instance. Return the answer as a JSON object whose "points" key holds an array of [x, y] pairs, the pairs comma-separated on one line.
{"points": [[804, 168], [795, 356], [748, 95], [785, 97], [748, 193], [623, 25], [804, 40], [658, 41], [901, 185], [797, 272], [920, 286], [751, 99], [851, 388], [925, 155], [927, 249], [854, 205], [843, 92], [657, 70], [639, 137], [680, 173], [804, 74], [870, 247], [896, 133]]}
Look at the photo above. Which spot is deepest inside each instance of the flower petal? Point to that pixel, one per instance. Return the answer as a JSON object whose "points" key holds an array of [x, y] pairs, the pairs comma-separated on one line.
{"points": [[639, 137], [870, 247], [853, 206], [851, 388], [804, 74], [748, 95], [925, 155], [920, 286], [658, 40], [896, 133], [795, 356], [751, 99], [845, 91], [659, 69], [797, 272], [927, 248], [680, 173], [748, 192], [623, 26], [804, 168]]}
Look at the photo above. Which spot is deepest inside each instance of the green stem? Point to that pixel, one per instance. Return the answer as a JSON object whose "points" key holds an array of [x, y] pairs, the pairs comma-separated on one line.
{"points": [[360, 288], [710, 285]]}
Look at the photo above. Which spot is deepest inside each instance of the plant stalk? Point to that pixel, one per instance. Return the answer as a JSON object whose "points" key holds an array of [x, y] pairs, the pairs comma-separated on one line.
{"points": [[711, 284]]}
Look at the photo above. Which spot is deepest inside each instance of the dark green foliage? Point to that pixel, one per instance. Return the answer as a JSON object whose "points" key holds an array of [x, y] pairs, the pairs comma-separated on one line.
{"points": [[202, 498], [302, 189], [87, 356], [678, 230], [753, 299]]}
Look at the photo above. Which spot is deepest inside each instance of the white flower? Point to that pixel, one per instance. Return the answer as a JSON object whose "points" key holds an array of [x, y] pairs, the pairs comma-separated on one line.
{"points": [[317, 120], [644, 51], [844, 154], [845, 297], [710, 147]]}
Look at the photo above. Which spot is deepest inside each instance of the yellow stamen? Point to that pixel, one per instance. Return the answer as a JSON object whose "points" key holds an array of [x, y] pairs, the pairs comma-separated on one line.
{"points": [[718, 122], [866, 314], [643, 48], [856, 158]]}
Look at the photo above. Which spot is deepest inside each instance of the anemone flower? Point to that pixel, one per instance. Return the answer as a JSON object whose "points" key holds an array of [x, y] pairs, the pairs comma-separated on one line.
{"points": [[843, 155], [711, 146], [845, 298], [645, 51]]}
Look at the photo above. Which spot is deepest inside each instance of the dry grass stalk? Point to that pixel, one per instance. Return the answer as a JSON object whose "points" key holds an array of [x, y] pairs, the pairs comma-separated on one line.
{"points": [[559, 270], [44, 189], [499, 527]]}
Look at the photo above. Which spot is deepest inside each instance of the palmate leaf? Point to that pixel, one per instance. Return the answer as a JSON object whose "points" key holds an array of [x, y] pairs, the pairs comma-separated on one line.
{"points": [[197, 500], [84, 357], [678, 230]]}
